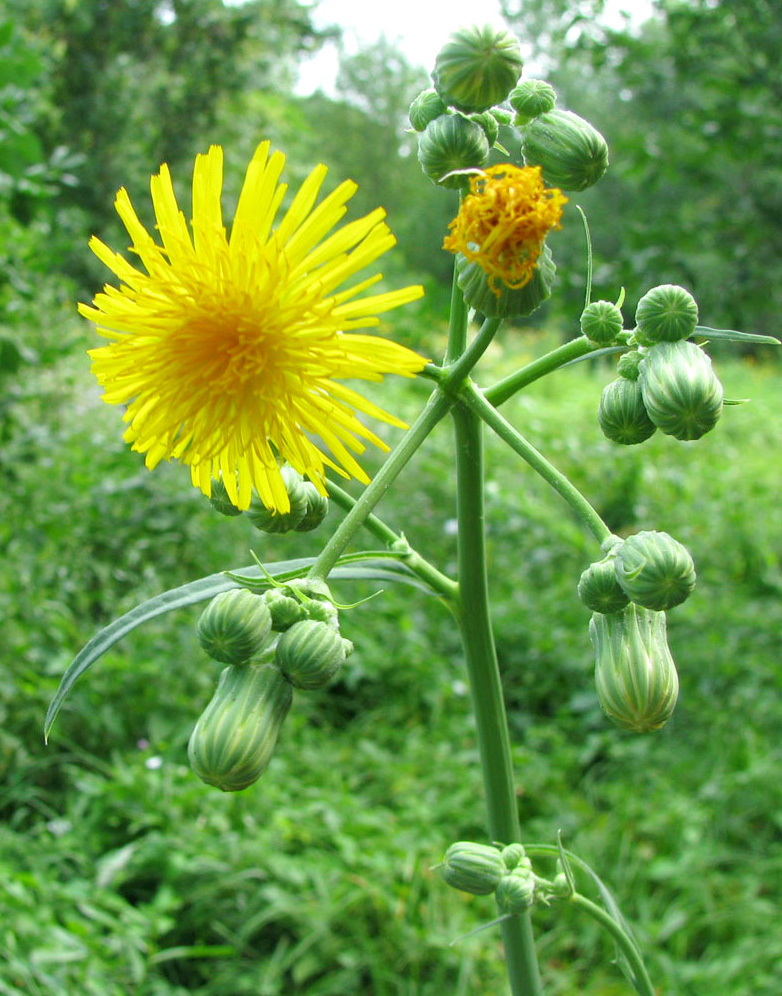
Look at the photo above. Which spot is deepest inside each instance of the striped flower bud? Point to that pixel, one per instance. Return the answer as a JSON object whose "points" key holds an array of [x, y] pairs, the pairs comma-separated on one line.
{"points": [[310, 653], [269, 521], [477, 68], [655, 570], [427, 106], [452, 142], [235, 626], [510, 302], [490, 125], [515, 892], [530, 99], [599, 589], [234, 739], [601, 322], [285, 611], [622, 415], [681, 393], [220, 501], [571, 153], [628, 364], [473, 868], [665, 314], [513, 855], [316, 509], [635, 676]]}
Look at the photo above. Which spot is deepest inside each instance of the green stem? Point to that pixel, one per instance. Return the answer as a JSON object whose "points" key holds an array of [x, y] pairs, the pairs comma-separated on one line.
{"points": [[499, 393], [485, 685], [478, 403], [642, 981], [456, 373], [435, 409]]}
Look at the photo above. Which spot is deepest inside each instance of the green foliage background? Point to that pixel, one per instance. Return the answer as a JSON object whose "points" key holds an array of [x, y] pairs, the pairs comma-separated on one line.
{"points": [[120, 873]]}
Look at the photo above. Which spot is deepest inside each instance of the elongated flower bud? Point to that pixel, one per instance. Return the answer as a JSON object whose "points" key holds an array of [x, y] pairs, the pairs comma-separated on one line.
{"points": [[601, 322], [655, 570], [681, 393], [427, 106], [636, 679], [235, 626], [269, 521], [310, 653], [234, 739], [515, 892], [599, 589], [665, 314], [478, 292], [477, 68], [530, 99], [473, 868], [571, 153], [452, 142], [622, 415]]}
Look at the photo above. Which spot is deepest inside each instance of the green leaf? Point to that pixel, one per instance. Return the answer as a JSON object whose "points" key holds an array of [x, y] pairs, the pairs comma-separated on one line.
{"points": [[370, 566], [734, 336]]}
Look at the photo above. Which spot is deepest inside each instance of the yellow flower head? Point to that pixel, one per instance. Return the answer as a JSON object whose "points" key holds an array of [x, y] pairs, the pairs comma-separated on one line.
{"points": [[503, 222], [227, 351]]}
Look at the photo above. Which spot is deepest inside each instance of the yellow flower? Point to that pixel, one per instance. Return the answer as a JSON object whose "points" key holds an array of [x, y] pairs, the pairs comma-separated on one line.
{"points": [[227, 351], [503, 222]]}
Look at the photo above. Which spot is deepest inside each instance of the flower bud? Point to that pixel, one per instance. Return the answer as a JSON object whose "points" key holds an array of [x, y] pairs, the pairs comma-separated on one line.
{"points": [[316, 509], [510, 303], [601, 322], [220, 500], [473, 868], [235, 626], [681, 393], [571, 153], [628, 364], [310, 653], [530, 99], [269, 521], [636, 679], [285, 611], [427, 106], [515, 892], [599, 589], [665, 314], [655, 570], [490, 125], [234, 739], [622, 416], [477, 68], [452, 142], [513, 855]]}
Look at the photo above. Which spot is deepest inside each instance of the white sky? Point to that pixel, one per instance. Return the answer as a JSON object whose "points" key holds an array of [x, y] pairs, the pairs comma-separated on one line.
{"points": [[420, 27]]}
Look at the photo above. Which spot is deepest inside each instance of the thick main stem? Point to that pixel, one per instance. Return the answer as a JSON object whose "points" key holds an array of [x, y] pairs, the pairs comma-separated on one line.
{"points": [[486, 690]]}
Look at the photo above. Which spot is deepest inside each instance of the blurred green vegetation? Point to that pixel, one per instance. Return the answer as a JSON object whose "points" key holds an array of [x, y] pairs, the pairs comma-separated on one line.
{"points": [[120, 873]]}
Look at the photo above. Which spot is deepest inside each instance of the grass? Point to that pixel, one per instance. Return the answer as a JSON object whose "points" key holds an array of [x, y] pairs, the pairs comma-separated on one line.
{"points": [[120, 873]]}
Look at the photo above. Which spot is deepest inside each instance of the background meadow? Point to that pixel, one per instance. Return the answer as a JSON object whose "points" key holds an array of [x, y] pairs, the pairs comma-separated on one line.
{"points": [[120, 873]]}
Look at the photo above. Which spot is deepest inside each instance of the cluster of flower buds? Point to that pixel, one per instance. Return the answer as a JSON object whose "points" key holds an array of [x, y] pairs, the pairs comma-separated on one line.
{"points": [[482, 870], [308, 507], [665, 382], [629, 591], [284, 638], [476, 89]]}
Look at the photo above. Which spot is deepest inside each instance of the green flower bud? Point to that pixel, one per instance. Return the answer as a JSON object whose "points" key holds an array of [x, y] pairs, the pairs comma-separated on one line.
{"points": [[316, 508], [514, 854], [310, 653], [269, 521], [427, 106], [622, 415], [601, 322], [628, 364], [571, 153], [220, 500], [532, 98], [599, 589], [665, 314], [285, 611], [681, 393], [636, 679], [655, 570], [452, 142], [490, 125], [515, 892], [473, 868], [501, 115], [477, 68], [474, 284], [235, 626], [234, 739]]}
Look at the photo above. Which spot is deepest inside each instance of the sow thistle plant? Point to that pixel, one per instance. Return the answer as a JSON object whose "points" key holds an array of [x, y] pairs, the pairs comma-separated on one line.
{"points": [[229, 350]]}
